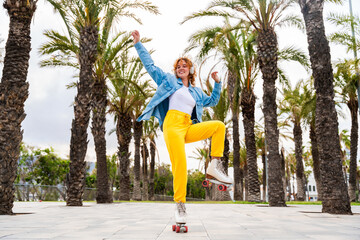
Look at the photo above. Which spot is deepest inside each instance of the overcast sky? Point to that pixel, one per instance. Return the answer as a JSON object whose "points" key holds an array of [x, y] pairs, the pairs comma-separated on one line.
{"points": [[49, 106]]}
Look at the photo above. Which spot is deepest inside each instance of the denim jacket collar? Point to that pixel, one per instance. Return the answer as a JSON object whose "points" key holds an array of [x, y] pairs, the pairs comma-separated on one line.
{"points": [[181, 83]]}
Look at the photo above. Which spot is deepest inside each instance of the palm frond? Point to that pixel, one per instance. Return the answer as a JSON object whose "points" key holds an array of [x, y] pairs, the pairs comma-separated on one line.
{"points": [[294, 54], [340, 2], [233, 4], [213, 13], [283, 79], [59, 63], [59, 43], [292, 21], [147, 6]]}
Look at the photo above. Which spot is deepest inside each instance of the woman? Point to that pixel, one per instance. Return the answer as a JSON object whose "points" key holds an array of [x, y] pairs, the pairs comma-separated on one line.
{"points": [[178, 106]]}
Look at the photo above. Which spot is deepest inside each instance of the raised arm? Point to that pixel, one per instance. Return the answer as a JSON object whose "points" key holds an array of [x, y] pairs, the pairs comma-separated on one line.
{"points": [[210, 101], [155, 72]]}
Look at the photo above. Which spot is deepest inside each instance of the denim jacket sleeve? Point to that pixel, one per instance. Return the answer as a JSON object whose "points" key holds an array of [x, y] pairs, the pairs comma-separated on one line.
{"points": [[210, 101], [155, 72]]}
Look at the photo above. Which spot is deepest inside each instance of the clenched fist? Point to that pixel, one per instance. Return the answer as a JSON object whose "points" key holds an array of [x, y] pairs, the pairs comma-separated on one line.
{"points": [[136, 35]]}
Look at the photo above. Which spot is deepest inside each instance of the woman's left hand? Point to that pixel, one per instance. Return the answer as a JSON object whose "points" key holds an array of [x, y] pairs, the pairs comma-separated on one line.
{"points": [[215, 77]]}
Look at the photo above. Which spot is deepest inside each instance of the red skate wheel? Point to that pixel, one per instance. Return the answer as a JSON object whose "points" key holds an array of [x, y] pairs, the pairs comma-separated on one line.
{"points": [[221, 188], [205, 183], [186, 229], [177, 229], [174, 227]]}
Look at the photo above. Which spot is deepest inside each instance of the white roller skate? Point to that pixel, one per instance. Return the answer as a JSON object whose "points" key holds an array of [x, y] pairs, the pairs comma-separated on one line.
{"points": [[180, 218], [215, 174]]}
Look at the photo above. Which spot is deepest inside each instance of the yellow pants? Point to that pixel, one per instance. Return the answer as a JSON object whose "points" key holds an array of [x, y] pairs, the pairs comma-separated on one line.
{"points": [[178, 130]]}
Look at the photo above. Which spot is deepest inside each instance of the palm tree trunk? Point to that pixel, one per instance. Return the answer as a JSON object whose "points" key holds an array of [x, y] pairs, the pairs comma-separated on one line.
{"points": [[283, 175], [238, 191], [263, 158], [233, 90], [246, 181], [13, 94], [267, 55], [103, 194], [123, 132], [248, 110], [335, 196], [137, 138], [225, 157], [353, 106], [79, 141], [288, 185], [145, 180], [300, 177], [152, 170], [316, 161]]}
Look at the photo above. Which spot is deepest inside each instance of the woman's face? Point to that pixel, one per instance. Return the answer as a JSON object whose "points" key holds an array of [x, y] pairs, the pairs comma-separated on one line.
{"points": [[182, 69]]}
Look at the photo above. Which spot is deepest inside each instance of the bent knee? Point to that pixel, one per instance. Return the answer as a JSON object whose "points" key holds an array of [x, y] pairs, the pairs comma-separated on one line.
{"points": [[220, 125]]}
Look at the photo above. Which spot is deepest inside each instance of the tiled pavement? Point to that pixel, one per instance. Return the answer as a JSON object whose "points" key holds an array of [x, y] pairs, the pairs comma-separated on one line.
{"points": [[132, 220]]}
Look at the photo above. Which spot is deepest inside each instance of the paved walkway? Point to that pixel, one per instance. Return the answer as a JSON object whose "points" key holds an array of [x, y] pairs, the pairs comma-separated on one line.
{"points": [[53, 220]]}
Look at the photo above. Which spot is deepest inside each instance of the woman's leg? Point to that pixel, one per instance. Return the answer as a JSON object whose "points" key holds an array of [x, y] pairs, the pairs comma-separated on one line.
{"points": [[215, 129], [174, 135]]}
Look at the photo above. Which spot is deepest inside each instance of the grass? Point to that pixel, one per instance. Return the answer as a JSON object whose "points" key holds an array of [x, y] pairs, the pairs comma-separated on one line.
{"points": [[223, 202], [198, 202], [239, 202]]}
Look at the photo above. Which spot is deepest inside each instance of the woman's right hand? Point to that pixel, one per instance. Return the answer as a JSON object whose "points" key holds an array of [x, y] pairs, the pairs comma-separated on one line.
{"points": [[136, 36]]}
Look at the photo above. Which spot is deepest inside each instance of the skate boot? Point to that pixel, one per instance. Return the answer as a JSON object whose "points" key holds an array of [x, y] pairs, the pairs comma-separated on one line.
{"points": [[216, 171], [216, 174], [180, 218]]}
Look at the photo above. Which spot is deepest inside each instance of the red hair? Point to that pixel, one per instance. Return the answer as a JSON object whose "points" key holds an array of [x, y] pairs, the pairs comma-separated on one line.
{"points": [[190, 64]]}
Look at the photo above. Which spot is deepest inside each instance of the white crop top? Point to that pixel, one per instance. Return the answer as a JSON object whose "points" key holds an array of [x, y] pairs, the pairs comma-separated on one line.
{"points": [[182, 101]]}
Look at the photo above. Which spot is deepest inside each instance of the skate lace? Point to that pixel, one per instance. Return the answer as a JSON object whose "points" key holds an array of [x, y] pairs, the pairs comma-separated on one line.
{"points": [[181, 208], [220, 168]]}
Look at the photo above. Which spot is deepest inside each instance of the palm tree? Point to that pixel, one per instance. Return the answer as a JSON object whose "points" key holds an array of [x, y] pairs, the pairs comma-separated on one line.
{"points": [[346, 81], [344, 140], [309, 119], [219, 112], [335, 198], [287, 177], [123, 99], [290, 161], [137, 126], [260, 146], [294, 105], [64, 52], [150, 132], [87, 24], [235, 44], [264, 16], [244, 167], [217, 39], [108, 50], [13, 94], [145, 179], [137, 109], [240, 58], [343, 37]]}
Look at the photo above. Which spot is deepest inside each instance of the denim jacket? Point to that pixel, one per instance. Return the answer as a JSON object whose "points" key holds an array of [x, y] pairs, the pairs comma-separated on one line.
{"points": [[167, 84]]}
